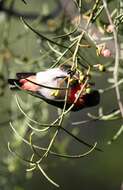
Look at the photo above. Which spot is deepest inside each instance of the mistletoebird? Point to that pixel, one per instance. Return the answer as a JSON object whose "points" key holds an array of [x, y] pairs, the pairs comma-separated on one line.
{"points": [[57, 85]]}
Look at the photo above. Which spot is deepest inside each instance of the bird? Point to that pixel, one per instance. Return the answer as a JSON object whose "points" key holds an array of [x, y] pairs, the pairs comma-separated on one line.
{"points": [[52, 86]]}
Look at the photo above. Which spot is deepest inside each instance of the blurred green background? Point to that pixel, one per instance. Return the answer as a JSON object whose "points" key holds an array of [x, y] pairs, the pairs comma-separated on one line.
{"points": [[21, 50]]}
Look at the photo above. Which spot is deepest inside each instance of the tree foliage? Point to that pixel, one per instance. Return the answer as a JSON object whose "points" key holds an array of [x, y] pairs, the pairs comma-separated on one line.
{"points": [[88, 36]]}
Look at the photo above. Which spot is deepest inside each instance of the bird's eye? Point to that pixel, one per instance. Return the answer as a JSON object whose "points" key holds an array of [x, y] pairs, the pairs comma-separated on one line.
{"points": [[71, 73]]}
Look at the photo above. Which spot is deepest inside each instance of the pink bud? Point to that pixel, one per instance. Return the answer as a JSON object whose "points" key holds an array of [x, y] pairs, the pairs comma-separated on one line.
{"points": [[109, 28], [106, 53]]}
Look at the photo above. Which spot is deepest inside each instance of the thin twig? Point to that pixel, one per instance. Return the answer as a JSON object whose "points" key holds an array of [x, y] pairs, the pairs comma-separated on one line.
{"points": [[116, 66]]}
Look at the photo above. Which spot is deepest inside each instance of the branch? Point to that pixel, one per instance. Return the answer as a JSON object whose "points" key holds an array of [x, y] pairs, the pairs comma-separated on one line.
{"points": [[116, 66]]}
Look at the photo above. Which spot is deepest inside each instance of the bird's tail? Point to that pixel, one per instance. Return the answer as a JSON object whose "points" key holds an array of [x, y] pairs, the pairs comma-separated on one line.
{"points": [[14, 84]]}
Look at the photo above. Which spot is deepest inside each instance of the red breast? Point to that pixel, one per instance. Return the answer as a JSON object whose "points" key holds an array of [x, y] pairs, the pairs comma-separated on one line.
{"points": [[73, 94]]}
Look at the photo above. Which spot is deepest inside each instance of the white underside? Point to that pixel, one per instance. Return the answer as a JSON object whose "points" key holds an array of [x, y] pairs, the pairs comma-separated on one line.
{"points": [[48, 78]]}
